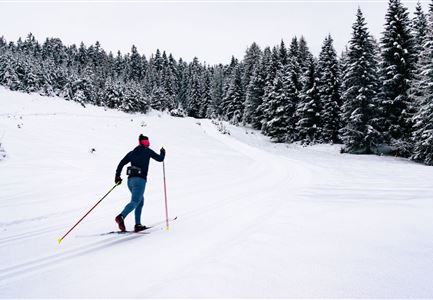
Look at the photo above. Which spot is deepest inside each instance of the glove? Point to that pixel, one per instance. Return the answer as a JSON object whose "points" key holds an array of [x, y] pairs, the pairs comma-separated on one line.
{"points": [[118, 180], [162, 151]]}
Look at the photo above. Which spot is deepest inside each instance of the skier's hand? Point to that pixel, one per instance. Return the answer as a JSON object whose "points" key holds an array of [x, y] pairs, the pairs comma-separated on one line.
{"points": [[162, 151], [118, 180]]}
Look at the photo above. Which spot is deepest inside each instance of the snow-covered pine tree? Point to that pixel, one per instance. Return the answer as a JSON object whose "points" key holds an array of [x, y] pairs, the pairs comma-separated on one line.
{"points": [[360, 114], [304, 55], [8, 75], [194, 97], [252, 58], [419, 30], [134, 100], [329, 90], [159, 98], [273, 65], [135, 68], [308, 109], [206, 108], [396, 67], [283, 57], [113, 94], [217, 90], [278, 107], [422, 136], [254, 94], [233, 102]]}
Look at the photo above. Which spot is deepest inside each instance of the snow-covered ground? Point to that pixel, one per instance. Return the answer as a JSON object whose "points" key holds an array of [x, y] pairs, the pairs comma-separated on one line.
{"points": [[255, 219]]}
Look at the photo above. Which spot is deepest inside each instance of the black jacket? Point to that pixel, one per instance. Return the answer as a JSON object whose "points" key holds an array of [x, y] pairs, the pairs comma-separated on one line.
{"points": [[139, 157]]}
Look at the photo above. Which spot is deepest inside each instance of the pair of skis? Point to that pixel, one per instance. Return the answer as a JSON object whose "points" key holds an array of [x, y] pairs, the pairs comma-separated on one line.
{"points": [[148, 230]]}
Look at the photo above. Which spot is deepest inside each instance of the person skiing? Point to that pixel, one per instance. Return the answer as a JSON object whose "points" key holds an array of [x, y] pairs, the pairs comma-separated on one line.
{"points": [[137, 177]]}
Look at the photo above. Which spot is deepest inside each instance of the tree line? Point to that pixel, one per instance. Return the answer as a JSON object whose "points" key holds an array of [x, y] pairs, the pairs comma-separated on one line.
{"points": [[374, 97]]}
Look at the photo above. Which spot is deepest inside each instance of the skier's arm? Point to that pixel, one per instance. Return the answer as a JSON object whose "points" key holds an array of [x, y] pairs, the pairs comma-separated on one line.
{"points": [[158, 157], [122, 163]]}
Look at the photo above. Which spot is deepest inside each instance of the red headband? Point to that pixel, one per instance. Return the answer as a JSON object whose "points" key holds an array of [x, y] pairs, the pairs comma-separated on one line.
{"points": [[145, 143]]}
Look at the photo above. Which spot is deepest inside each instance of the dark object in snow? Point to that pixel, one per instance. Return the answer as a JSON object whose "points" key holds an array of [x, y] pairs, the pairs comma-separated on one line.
{"points": [[2, 152], [178, 112], [92, 150], [221, 127]]}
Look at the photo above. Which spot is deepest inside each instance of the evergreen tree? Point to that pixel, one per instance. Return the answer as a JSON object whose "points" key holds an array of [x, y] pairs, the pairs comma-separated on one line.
{"points": [[329, 90], [422, 136], [304, 55], [278, 107], [206, 99], [194, 93], [259, 92], [397, 64], [233, 101], [254, 96], [360, 81], [217, 90], [135, 66], [419, 30], [251, 60], [308, 109]]}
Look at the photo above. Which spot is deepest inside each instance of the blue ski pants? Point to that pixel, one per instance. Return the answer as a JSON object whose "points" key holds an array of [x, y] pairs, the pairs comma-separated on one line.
{"points": [[136, 185]]}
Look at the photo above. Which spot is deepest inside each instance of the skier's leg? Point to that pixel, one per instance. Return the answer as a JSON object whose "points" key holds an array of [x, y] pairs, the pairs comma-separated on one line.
{"points": [[138, 211], [136, 186]]}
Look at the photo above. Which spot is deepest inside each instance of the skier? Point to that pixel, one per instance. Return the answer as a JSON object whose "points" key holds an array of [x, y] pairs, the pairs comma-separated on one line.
{"points": [[137, 177]]}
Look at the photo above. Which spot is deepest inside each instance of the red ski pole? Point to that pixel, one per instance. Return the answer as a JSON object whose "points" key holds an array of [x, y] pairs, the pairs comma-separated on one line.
{"points": [[165, 196], [61, 239]]}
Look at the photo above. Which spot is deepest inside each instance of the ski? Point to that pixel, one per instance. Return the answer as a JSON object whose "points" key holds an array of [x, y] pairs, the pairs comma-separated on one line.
{"points": [[150, 229]]}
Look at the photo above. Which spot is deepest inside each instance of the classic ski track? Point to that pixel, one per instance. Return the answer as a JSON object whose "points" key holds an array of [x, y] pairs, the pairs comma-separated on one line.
{"points": [[285, 181], [13, 272]]}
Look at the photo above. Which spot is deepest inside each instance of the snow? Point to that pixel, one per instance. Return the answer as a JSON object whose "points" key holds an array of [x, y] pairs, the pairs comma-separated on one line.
{"points": [[255, 219]]}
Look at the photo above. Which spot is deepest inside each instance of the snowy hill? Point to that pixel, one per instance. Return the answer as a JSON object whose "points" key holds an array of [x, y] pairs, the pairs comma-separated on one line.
{"points": [[255, 219]]}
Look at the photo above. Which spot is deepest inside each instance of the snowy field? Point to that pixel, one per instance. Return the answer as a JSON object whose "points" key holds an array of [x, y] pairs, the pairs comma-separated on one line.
{"points": [[255, 219]]}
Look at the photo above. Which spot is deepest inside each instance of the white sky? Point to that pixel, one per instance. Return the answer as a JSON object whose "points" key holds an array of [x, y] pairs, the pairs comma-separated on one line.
{"points": [[211, 30]]}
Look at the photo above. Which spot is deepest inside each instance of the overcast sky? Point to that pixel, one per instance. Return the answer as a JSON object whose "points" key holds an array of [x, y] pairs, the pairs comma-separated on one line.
{"points": [[211, 30]]}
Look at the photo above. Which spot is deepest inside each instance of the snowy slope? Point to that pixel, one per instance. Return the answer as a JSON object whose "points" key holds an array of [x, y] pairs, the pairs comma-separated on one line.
{"points": [[255, 219]]}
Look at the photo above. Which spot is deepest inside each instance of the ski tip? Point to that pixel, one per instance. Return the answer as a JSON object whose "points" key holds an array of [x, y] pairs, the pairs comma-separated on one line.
{"points": [[59, 241]]}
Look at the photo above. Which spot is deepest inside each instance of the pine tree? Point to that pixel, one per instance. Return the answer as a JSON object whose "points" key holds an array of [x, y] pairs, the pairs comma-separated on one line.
{"points": [[422, 136], [113, 95], [135, 66], [419, 30], [304, 55], [206, 99], [397, 64], [308, 109], [194, 96], [329, 90], [360, 81], [217, 91], [273, 65], [262, 83], [251, 60], [278, 107], [254, 96], [233, 101]]}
